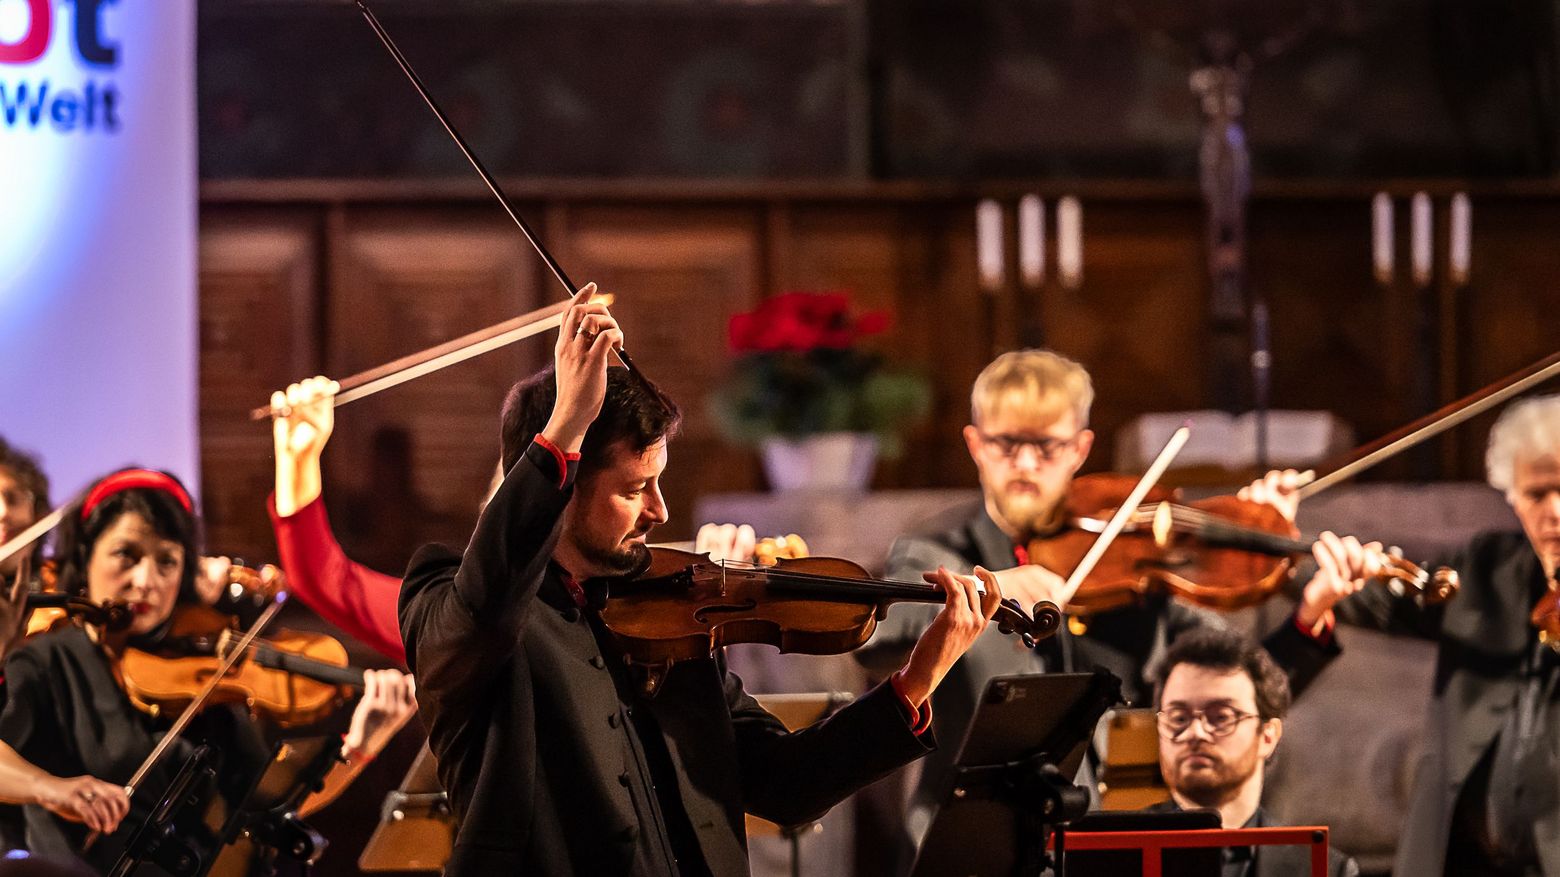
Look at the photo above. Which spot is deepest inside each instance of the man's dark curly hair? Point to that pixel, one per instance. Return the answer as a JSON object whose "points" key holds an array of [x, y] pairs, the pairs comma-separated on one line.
{"points": [[1229, 651], [635, 412]]}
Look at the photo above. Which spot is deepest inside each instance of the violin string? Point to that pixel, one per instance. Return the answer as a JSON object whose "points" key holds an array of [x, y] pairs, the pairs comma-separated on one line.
{"points": [[821, 579]]}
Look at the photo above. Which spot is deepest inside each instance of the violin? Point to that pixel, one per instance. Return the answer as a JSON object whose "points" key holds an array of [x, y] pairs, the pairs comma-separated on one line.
{"points": [[57, 608], [1222, 552], [684, 606], [246, 589], [291, 677], [1546, 615]]}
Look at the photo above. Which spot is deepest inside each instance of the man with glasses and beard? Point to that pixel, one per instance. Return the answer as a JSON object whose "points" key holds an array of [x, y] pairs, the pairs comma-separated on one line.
{"points": [[1029, 434], [1221, 704]]}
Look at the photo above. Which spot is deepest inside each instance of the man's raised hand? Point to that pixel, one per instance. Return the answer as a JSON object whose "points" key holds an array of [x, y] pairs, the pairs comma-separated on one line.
{"points": [[585, 344]]}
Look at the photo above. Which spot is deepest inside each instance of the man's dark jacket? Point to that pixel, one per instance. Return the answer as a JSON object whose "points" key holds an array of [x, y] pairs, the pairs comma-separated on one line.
{"points": [[539, 752], [1484, 640], [1128, 642]]}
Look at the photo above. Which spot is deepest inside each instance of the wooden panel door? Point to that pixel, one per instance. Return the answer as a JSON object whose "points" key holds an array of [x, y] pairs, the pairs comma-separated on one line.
{"points": [[1138, 319], [1506, 317], [678, 275], [259, 292], [1341, 341], [412, 464]]}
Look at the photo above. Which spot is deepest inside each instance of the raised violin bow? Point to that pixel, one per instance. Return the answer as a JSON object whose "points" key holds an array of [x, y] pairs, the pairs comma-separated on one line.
{"points": [[1435, 423], [476, 163], [40, 528], [416, 365], [425, 362]]}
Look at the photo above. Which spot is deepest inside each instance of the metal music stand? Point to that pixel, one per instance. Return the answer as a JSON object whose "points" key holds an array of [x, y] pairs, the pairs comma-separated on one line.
{"points": [[416, 825], [1012, 785]]}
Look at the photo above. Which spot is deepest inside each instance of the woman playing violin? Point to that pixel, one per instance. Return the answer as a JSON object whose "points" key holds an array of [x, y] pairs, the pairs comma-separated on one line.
{"points": [[69, 735]]}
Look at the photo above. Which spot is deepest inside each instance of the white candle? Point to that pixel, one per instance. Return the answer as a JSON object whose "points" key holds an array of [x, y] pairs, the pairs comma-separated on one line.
{"points": [[1069, 241], [988, 244], [1461, 255], [1421, 239], [1381, 249], [1031, 240]]}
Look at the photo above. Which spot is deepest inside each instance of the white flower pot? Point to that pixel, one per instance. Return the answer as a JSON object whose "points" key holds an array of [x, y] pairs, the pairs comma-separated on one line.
{"points": [[827, 461]]}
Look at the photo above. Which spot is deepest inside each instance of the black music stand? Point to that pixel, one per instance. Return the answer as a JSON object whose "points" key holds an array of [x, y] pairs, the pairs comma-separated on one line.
{"points": [[1012, 784], [156, 840]]}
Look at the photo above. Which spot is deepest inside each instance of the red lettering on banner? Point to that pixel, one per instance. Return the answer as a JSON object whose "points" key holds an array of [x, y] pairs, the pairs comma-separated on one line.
{"points": [[35, 41]]}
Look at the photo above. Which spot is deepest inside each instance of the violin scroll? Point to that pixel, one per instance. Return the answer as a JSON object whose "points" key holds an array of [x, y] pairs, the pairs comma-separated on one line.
{"points": [[52, 608], [1029, 627], [1405, 577]]}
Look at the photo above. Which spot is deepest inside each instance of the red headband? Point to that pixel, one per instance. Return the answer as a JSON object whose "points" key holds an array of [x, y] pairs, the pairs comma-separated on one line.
{"points": [[130, 479]]}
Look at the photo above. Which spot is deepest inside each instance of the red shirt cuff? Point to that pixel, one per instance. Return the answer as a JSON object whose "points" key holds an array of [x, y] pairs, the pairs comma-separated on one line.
{"points": [[1323, 634], [920, 719], [558, 455]]}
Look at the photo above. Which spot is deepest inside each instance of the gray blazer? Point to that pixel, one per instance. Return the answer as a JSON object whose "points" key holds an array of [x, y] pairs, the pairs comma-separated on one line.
{"points": [[1484, 638]]}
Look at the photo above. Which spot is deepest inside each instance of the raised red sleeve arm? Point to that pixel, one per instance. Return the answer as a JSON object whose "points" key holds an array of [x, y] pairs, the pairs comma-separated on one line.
{"points": [[351, 596]]}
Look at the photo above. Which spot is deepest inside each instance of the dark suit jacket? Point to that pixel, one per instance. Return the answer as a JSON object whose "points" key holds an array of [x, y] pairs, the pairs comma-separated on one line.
{"points": [[1283, 861], [1484, 638], [1128, 643], [539, 751]]}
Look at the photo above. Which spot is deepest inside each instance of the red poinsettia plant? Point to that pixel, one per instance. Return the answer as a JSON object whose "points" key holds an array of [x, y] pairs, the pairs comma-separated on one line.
{"points": [[799, 322], [800, 369]]}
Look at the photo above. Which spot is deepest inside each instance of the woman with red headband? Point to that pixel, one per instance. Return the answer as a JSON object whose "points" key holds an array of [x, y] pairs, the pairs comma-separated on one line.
{"points": [[69, 736]]}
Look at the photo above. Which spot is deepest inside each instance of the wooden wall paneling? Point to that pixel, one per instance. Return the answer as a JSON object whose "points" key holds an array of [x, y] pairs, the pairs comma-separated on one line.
{"points": [[1138, 322], [1508, 310], [1341, 342], [949, 310], [411, 464], [678, 273], [259, 272]]}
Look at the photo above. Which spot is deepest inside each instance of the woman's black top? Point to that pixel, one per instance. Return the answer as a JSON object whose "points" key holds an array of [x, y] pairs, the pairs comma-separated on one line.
{"points": [[65, 713]]}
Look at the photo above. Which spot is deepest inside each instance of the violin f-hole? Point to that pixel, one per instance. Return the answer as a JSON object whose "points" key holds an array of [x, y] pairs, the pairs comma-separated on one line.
{"points": [[703, 614]]}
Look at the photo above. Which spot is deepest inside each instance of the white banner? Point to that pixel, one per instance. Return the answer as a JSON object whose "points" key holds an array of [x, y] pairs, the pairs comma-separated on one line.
{"points": [[98, 235]]}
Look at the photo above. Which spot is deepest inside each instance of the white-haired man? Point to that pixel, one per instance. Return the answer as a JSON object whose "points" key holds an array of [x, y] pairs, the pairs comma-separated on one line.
{"points": [[1486, 798]]}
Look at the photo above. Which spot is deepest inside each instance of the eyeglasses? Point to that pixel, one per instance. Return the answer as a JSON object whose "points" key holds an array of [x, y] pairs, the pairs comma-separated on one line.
{"points": [[1219, 720], [1047, 448]]}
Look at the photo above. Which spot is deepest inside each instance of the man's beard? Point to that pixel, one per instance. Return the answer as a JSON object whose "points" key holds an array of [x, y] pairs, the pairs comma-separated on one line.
{"points": [[618, 560], [1029, 513], [1218, 783]]}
